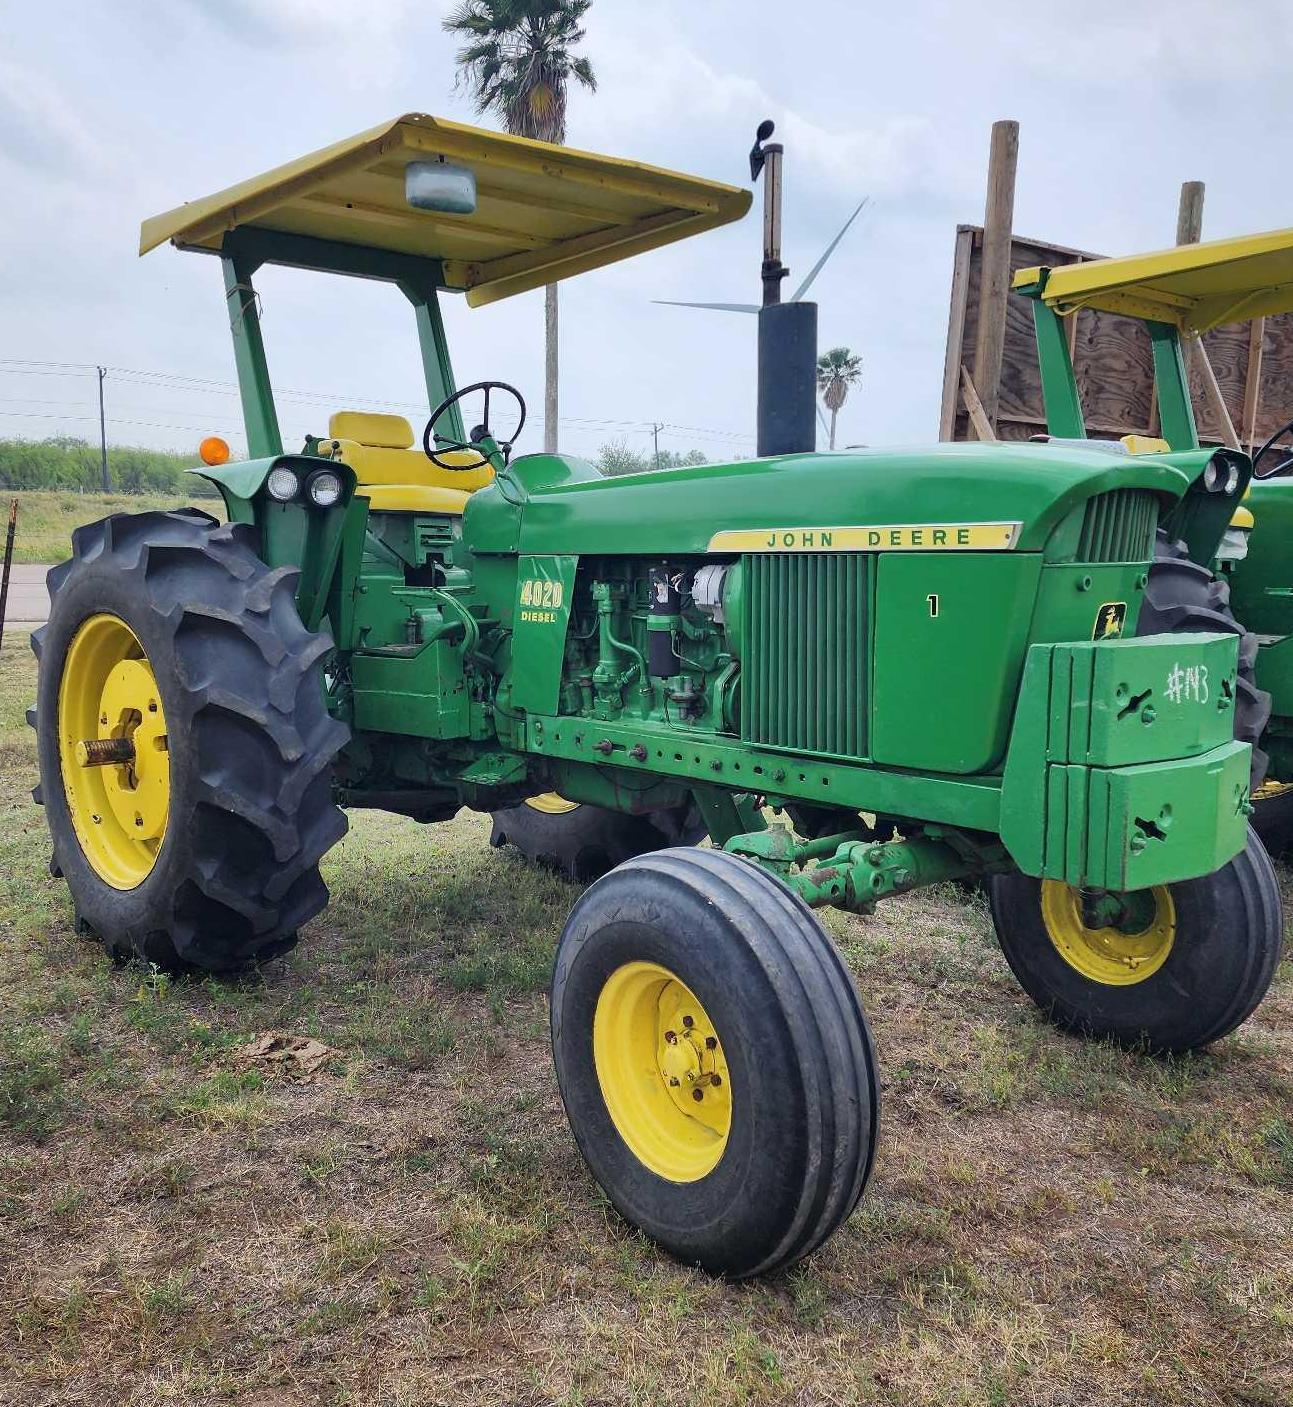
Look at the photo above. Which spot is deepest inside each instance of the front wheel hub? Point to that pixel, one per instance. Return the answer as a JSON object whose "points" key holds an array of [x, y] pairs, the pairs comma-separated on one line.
{"points": [[1117, 940], [662, 1072]]}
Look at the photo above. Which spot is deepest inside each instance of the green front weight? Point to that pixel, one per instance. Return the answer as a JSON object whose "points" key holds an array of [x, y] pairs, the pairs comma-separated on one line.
{"points": [[1094, 720]]}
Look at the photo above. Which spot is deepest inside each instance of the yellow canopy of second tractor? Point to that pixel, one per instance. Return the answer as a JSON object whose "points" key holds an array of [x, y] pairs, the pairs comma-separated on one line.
{"points": [[543, 212], [1192, 286]]}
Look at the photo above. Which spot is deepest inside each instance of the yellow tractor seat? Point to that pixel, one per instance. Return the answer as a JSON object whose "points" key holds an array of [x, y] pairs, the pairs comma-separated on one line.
{"points": [[392, 474]]}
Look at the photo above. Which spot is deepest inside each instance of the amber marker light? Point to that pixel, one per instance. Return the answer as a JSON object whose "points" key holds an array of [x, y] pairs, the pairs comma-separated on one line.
{"points": [[214, 450]]}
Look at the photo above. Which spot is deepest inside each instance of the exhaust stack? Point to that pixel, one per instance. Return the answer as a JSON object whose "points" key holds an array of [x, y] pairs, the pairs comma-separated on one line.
{"points": [[787, 378]]}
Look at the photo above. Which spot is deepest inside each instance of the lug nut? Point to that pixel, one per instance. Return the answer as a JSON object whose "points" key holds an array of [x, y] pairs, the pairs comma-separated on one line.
{"points": [[711, 1042], [687, 1021], [716, 1080], [698, 1095], [670, 1037], [638, 753], [673, 1080]]}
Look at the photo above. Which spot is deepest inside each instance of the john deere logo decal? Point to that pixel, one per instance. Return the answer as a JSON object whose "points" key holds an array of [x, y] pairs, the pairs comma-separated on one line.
{"points": [[882, 537], [1109, 620]]}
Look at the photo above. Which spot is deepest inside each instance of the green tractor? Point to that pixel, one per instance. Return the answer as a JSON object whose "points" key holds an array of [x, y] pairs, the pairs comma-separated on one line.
{"points": [[924, 661]]}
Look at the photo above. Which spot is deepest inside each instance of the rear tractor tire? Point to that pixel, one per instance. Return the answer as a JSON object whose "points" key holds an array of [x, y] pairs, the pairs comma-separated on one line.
{"points": [[714, 1060], [185, 743], [584, 842], [1180, 968]]}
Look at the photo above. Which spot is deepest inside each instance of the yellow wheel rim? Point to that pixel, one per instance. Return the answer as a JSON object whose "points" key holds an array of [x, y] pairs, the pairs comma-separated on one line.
{"points": [[662, 1072], [551, 804], [112, 747], [1115, 957]]}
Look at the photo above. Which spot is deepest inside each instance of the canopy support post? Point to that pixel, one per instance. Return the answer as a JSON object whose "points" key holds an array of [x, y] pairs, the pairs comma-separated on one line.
{"points": [[1064, 418], [1172, 383], [258, 413], [435, 353]]}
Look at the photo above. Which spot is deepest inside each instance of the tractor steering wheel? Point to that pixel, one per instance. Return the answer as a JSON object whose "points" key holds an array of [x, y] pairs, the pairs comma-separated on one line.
{"points": [[435, 445], [1284, 463]]}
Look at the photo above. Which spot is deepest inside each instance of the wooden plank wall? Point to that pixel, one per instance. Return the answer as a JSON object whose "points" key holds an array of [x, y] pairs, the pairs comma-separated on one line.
{"points": [[1111, 357]]}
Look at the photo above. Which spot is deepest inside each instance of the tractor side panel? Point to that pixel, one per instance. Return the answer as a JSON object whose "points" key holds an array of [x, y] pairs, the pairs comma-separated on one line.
{"points": [[951, 632], [545, 591]]}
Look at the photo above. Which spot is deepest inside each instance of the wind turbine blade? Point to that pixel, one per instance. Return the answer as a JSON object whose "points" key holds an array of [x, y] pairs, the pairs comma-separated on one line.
{"points": [[830, 249], [717, 307]]}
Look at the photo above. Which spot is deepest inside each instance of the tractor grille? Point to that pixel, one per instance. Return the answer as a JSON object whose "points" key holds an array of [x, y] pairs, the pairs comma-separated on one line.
{"points": [[1119, 526], [803, 678]]}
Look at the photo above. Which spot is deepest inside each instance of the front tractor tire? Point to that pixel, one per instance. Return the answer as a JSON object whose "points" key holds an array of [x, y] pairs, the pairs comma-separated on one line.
{"points": [[1181, 966], [584, 842], [184, 741], [714, 1060]]}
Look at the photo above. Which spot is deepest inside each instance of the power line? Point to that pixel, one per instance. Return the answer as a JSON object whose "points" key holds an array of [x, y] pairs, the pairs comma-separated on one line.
{"points": [[31, 367]]}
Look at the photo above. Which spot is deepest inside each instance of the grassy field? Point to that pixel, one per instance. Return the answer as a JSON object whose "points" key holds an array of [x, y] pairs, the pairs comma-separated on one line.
{"points": [[1049, 1222], [46, 518]]}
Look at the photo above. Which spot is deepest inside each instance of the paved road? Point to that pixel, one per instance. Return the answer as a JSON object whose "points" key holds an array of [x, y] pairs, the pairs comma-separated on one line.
{"points": [[28, 602]]}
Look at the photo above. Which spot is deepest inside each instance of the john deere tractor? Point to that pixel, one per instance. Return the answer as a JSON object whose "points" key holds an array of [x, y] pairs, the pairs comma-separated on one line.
{"points": [[856, 673]]}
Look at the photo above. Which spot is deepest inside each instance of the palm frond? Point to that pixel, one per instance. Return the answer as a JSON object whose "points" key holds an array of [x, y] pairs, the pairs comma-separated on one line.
{"points": [[517, 60]]}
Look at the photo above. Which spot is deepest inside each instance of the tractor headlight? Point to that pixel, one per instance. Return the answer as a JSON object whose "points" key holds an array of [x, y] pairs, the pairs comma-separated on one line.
{"points": [[323, 488], [283, 484], [1221, 474]]}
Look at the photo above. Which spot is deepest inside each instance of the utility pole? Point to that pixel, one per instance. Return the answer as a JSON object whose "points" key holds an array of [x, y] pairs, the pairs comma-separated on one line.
{"points": [[103, 433], [550, 422], [655, 438]]}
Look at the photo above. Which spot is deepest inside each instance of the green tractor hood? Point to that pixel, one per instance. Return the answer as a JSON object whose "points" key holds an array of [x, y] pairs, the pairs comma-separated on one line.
{"points": [[1015, 493]]}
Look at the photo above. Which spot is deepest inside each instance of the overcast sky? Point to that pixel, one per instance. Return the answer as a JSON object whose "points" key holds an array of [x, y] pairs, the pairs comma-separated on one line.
{"points": [[110, 112]]}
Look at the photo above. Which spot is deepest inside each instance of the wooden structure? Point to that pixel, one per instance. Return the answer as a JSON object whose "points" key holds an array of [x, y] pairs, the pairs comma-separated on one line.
{"points": [[1242, 385]]}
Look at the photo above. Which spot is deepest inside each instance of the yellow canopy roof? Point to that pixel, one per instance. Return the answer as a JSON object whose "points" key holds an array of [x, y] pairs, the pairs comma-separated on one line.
{"points": [[1195, 286], [543, 212]]}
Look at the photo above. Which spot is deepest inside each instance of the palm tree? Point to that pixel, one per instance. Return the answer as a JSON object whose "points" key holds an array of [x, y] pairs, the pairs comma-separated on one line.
{"points": [[517, 61], [837, 370]]}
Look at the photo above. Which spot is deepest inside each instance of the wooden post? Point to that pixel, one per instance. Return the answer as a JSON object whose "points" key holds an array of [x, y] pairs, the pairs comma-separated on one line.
{"points": [[1189, 214], [994, 285], [8, 563], [978, 417], [1189, 230], [1253, 381], [955, 334]]}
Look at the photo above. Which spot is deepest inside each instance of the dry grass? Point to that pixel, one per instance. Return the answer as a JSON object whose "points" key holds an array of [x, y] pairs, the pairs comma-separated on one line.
{"points": [[1049, 1223], [46, 517]]}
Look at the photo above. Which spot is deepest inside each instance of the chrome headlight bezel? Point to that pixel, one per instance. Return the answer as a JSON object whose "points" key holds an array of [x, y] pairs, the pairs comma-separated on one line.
{"points": [[324, 488], [283, 484]]}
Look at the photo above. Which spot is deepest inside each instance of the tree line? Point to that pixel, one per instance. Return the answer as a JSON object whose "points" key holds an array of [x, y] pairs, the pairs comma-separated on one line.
{"points": [[72, 464]]}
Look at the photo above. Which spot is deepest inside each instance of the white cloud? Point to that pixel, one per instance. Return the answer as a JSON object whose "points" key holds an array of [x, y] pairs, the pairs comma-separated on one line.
{"points": [[1156, 42], [40, 129]]}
